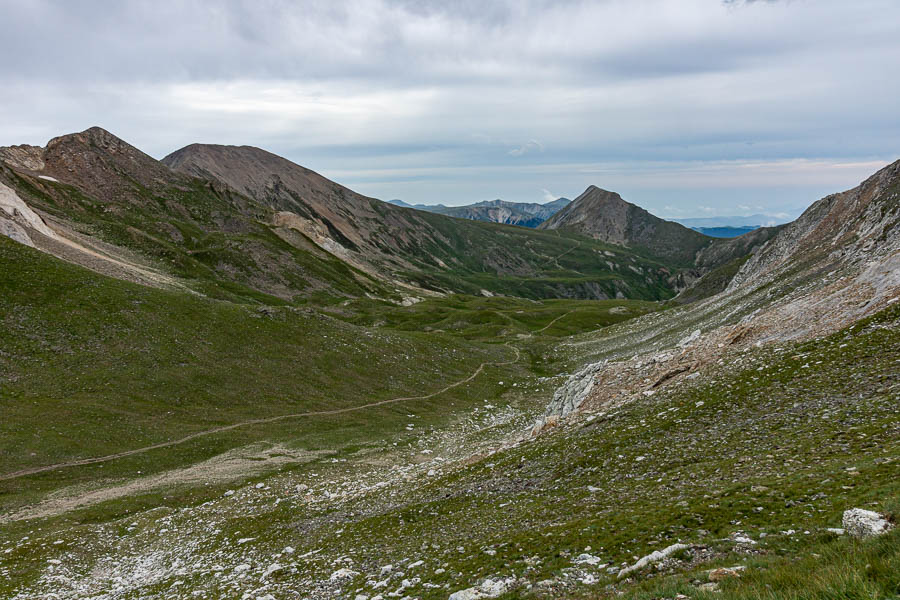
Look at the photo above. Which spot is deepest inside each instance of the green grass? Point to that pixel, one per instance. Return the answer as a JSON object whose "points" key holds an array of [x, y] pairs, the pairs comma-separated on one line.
{"points": [[767, 451], [93, 366]]}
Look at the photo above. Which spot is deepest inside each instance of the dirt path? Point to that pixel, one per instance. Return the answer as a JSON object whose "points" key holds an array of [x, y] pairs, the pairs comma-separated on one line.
{"points": [[193, 436], [556, 258], [548, 325]]}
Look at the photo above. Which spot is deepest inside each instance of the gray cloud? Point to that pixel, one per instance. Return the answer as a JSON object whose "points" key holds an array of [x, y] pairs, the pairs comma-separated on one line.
{"points": [[412, 99]]}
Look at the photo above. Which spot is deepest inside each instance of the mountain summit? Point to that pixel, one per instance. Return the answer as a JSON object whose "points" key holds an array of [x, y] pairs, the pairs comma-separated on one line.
{"points": [[605, 216]]}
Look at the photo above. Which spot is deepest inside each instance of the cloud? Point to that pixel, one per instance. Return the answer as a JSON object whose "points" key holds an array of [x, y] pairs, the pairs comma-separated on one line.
{"points": [[529, 146], [548, 196], [680, 102]]}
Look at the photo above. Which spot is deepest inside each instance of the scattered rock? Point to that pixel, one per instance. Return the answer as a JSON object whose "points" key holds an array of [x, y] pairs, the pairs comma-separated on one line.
{"points": [[490, 588]]}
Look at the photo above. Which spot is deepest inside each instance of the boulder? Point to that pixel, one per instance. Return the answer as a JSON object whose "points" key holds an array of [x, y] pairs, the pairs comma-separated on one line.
{"points": [[861, 523]]}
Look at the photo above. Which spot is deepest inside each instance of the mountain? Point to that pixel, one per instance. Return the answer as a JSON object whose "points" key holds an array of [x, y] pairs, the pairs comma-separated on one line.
{"points": [[159, 441], [840, 231], [420, 248], [524, 214], [733, 221], [239, 222], [117, 210], [604, 215], [725, 231]]}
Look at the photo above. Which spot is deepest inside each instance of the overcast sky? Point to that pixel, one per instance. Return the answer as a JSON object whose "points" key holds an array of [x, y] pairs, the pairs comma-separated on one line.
{"points": [[686, 107]]}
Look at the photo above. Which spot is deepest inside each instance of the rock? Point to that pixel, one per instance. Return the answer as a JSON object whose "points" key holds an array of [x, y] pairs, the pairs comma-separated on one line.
{"points": [[490, 588], [695, 335], [836, 530], [862, 523], [271, 570], [343, 573], [587, 559], [653, 557], [724, 573], [15, 232], [709, 587], [568, 398]]}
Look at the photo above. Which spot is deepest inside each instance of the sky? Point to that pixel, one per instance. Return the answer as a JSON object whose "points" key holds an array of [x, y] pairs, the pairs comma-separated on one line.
{"points": [[689, 108]]}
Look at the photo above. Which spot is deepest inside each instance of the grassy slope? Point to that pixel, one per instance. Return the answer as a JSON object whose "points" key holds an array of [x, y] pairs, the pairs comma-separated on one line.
{"points": [[765, 445], [214, 239], [533, 263], [93, 365]]}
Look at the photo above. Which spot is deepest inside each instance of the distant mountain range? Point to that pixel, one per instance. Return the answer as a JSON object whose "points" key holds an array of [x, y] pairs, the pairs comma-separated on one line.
{"points": [[605, 216], [726, 231], [524, 214], [732, 221]]}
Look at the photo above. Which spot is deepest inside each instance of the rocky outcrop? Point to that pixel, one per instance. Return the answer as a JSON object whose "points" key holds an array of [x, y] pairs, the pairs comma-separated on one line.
{"points": [[568, 398], [838, 230], [16, 218], [23, 157], [861, 523]]}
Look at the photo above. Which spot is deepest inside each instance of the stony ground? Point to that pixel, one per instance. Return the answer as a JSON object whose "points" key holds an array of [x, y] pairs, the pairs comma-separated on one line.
{"points": [[754, 460]]}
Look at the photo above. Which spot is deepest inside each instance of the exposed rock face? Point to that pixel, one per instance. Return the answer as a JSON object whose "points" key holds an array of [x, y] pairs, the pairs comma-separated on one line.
{"points": [[17, 218], [568, 398], [23, 157], [845, 228], [838, 263], [863, 523], [524, 214]]}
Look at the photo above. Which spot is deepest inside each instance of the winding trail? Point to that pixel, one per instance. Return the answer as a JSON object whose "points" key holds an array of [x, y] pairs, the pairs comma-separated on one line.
{"points": [[548, 325], [198, 434]]}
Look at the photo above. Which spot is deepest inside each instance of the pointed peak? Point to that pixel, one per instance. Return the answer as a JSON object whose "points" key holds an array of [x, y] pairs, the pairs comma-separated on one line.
{"points": [[92, 135], [595, 193]]}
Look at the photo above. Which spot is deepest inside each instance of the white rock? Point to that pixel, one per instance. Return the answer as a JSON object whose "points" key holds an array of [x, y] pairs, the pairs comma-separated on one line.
{"points": [[587, 559], [695, 335], [288, 550], [245, 540], [343, 573], [387, 569], [242, 568], [490, 588], [270, 570], [864, 523], [653, 557]]}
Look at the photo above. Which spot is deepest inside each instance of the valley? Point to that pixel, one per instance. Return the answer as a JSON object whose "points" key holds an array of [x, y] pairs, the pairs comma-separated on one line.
{"points": [[225, 376]]}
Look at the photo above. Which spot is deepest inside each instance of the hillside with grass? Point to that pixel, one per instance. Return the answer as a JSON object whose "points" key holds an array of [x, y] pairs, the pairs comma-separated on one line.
{"points": [[175, 432]]}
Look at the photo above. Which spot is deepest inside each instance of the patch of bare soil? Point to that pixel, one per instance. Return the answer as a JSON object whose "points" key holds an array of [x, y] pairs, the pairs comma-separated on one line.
{"points": [[230, 466]]}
